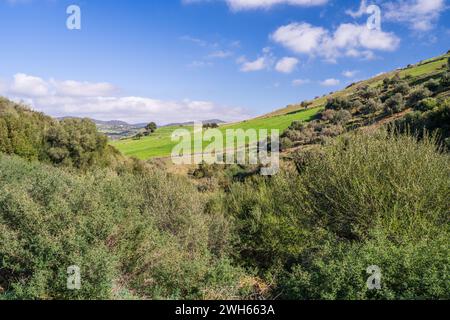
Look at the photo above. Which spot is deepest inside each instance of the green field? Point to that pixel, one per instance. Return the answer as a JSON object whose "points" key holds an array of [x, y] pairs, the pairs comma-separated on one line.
{"points": [[160, 143]]}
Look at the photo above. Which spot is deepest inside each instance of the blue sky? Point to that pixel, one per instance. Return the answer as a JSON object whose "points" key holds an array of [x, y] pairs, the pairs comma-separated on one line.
{"points": [[181, 60]]}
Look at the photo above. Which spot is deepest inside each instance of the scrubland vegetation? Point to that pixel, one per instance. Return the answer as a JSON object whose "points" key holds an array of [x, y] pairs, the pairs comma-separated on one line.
{"points": [[354, 193]]}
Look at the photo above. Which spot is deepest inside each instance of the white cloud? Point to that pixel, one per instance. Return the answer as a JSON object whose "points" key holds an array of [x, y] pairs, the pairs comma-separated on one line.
{"points": [[256, 65], [348, 39], [237, 5], [62, 99], [83, 89], [420, 15], [265, 4], [264, 62], [350, 73], [330, 82], [361, 11], [300, 37], [299, 82], [29, 86], [286, 65]]}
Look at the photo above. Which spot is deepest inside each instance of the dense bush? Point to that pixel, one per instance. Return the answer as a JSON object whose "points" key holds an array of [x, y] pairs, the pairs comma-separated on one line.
{"points": [[394, 104], [69, 142], [445, 80], [432, 84], [387, 82], [338, 103], [426, 104], [372, 106], [337, 270], [337, 117], [367, 200], [401, 87], [316, 132], [367, 93], [328, 115], [436, 120], [150, 235], [418, 95]]}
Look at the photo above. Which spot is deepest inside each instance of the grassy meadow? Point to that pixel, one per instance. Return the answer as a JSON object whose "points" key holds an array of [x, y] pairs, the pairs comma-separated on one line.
{"points": [[160, 145]]}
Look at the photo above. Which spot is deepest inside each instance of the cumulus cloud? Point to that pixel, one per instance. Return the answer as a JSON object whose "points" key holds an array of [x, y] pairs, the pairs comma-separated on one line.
{"points": [[29, 86], [286, 65], [96, 100], [420, 15], [264, 62], [83, 89], [330, 82], [351, 40], [256, 65], [237, 5]]}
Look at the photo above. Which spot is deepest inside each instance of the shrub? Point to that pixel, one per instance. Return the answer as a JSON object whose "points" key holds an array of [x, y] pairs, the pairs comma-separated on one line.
{"points": [[435, 121], [392, 81], [338, 271], [337, 117], [372, 106], [427, 104], [211, 126], [204, 170], [147, 233], [328, 115], [445, 80], [286, 143], [151, 127], [417, 95], [402, 87], [332, 130], [342, 117], [357, 105], [432, 85], [367, 92], [365, 200], [69, 142], [306, 104], [394, 104], [338, 103], [297, 125]]}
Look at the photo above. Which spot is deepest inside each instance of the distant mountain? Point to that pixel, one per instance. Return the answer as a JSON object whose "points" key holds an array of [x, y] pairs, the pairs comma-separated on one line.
{"points": [[114, 129], [192, 122], [112, 123], [117, 129], [101, 122]]}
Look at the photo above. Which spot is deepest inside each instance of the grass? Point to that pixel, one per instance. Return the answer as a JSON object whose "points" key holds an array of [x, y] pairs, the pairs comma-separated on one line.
{"points": [[160, 144], [425, 68]]}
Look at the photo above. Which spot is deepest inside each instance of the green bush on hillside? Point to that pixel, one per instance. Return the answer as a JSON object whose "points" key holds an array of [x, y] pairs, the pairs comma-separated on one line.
{"points": [[418, 95], [435, 121], [35, 136], [394, 104], [146, 233], [366, 200]]}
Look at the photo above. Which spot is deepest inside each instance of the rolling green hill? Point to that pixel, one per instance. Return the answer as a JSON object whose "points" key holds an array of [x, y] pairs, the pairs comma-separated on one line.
{"points": [[159, 144]]}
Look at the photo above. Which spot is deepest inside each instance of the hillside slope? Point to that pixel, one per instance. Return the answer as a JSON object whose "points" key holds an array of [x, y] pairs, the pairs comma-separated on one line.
{"points": [[160, 145]]}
